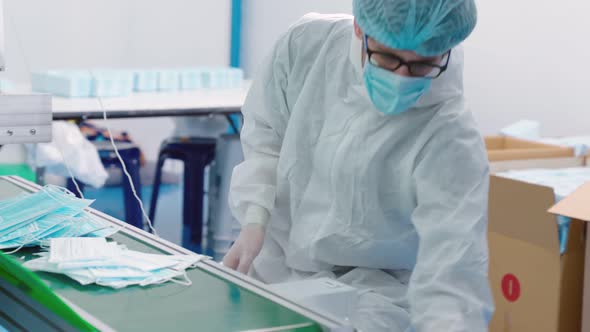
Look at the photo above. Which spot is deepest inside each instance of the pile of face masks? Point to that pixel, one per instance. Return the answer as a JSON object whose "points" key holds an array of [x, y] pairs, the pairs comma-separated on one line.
{"points": [[94, 260], [123, 82], [52, 212]]}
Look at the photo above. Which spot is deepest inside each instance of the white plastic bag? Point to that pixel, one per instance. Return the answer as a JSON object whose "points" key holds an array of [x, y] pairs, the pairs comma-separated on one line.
{"points": [[80, 155]]}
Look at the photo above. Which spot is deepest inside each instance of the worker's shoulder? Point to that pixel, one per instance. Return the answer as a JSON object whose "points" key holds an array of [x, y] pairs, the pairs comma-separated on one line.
{"points": [[314, 26], [453, 116], [452, 122]]}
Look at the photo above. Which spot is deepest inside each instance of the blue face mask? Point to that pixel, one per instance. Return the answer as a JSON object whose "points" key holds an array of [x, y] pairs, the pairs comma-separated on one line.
{"points": [[52, 212], [392, 93], [27, 208]]}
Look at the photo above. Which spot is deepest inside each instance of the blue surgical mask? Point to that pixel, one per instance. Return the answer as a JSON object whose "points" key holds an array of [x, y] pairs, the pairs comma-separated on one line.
{"points": [[392, 93], [110, 264], [52, 212], [27, 208]]}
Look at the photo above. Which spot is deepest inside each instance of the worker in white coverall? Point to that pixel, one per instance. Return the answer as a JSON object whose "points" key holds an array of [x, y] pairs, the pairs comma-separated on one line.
{"points": [[363, 164]]}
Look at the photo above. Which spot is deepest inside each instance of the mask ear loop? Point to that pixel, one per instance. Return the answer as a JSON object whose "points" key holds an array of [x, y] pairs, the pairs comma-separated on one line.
{"points": [[66, 192], [77, 225], [79, 221], [91, 221], [106, 284], [51, 195], [15, 250], [102, 226], [25, 243], [186, 282]]}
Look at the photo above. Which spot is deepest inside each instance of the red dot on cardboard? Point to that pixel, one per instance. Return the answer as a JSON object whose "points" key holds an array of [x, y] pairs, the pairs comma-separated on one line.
{"points": [[511, 287]]}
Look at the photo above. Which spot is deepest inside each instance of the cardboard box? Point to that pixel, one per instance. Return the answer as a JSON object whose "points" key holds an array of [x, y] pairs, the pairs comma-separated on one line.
{"points": [[535, 287], [507, 153], [502, 148], [577, 207]]}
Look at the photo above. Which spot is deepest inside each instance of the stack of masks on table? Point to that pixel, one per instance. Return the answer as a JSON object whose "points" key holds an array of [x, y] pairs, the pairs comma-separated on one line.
{"points": [[94, 260], [111, 82], [53, 212]]}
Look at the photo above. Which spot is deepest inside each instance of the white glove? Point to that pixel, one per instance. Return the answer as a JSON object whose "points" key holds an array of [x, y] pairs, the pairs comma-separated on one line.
{"points": [[246, 248]]}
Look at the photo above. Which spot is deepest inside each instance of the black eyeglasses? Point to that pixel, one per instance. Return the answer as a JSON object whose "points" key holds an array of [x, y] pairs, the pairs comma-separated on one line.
{"points": [[392, 63]]}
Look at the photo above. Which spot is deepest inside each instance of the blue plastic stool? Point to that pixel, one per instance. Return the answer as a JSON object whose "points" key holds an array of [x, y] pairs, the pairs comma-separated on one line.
{"points": [[196, 153], [131, 157]]}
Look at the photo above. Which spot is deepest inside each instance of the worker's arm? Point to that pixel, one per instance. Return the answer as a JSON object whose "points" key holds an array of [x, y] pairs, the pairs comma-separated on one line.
{"points": [[253, 185], [449, 289]]}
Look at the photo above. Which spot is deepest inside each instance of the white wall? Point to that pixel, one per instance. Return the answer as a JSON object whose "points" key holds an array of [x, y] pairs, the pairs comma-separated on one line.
{"points": [[530, 59], [265, 20], [43, 34], [526, 59], [119, 33]]}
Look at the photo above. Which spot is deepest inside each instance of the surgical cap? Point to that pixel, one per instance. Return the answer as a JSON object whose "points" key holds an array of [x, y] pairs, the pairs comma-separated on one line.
{"points": [[427, 27]]}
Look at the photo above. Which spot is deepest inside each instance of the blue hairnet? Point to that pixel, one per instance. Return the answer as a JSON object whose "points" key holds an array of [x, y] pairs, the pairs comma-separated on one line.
{"points": [[427, 27]]}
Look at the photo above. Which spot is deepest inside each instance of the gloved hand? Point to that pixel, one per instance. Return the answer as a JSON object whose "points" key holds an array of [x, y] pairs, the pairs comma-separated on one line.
{"points": [[245, 249]]}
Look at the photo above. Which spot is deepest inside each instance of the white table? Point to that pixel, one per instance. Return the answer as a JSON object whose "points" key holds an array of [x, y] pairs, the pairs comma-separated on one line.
{"points": [[157, 104]]}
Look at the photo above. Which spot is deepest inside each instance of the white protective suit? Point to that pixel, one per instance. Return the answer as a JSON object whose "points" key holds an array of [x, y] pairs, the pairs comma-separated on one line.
{"points": [[393, 205]]}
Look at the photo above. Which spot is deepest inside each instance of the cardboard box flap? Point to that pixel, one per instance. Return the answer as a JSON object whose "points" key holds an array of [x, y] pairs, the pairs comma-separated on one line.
{"points": [[576, 205], [502, 155], [501, 148], [510, 143], [572, 279], [525, 218]]}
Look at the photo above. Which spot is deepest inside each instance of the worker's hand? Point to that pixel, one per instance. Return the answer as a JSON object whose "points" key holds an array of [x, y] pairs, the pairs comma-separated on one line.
{"points": [[245, 249]]}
